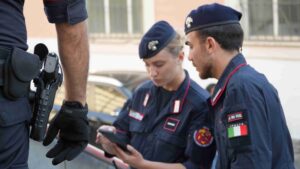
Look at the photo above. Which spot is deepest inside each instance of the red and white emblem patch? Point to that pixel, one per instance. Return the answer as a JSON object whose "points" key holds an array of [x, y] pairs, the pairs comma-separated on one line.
{"points": [[203, 137]]}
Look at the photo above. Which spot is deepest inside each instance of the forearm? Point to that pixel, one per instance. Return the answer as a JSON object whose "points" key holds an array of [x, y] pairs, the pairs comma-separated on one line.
{"points": [[74, 54]]}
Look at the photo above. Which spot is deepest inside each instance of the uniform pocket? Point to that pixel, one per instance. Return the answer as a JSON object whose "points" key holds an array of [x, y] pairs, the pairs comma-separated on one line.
{"points": [[136, 126], [14, 112], [169, 147], [171, 139]]}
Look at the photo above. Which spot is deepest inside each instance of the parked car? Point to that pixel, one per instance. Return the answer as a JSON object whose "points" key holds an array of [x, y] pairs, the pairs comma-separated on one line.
{"points": [[106, 94]]}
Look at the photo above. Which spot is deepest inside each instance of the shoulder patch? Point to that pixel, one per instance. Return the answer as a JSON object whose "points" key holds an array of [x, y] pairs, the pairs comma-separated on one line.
{"points": [[237, 124], [231, 117], [203, 137], [237, 130], [136, 115]]}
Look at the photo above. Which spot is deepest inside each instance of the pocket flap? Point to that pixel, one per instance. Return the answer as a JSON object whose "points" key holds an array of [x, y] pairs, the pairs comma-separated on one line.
{"points": [[172, 139], [25, 65], [136, 126]]}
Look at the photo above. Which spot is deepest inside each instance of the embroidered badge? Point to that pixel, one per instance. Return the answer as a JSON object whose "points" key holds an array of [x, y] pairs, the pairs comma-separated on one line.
{"points": [[203, 137], [136, 115], [237, 130], [152, 45], [171, 124], [188, 22], [234, 117]]}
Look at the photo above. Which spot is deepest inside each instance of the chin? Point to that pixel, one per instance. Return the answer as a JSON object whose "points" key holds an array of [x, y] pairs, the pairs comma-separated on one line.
{"points": [[156, 83], [203, 75]]}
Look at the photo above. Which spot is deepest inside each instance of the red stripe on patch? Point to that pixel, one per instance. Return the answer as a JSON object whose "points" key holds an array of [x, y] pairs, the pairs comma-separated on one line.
{"points": [[244, 130]]}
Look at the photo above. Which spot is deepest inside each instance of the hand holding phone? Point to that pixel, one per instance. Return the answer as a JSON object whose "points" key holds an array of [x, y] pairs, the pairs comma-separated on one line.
{"points": [[111, 136]]}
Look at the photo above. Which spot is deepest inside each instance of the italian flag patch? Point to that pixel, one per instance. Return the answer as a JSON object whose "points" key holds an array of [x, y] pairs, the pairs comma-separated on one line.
{"points": [[237, 130]]}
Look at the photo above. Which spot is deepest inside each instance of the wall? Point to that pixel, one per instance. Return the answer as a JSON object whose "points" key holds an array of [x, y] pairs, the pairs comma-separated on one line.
{"points": [[36, 20], [176, 12]]}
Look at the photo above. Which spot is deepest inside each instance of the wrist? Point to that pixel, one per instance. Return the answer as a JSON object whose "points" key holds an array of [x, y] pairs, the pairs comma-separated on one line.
{"points": [[142, 164], [74, 103], [74, 109]]}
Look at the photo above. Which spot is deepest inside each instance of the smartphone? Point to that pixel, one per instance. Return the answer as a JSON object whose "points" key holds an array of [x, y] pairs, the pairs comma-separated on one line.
{"points": [[110, 135]]}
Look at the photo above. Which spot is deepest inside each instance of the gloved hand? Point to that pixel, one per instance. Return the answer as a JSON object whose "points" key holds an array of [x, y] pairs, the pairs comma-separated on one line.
{"points": [[72, 124]]}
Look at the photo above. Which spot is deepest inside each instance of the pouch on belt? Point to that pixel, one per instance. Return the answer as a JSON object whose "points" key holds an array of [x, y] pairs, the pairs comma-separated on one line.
{"points": [[19, 69]]}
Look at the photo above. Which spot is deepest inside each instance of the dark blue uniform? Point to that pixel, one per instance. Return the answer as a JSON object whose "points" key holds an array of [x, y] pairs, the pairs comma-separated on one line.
{"points": [[177, 133], [250, 127], [15, 115]]}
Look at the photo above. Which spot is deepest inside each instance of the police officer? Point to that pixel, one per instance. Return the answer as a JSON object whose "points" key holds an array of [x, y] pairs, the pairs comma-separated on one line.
{"points": [[165, 120], [15, 113], [249, 123]]}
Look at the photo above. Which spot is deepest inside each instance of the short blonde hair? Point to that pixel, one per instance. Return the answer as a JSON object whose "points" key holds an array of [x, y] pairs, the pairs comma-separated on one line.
{"points": [[176, 45]]}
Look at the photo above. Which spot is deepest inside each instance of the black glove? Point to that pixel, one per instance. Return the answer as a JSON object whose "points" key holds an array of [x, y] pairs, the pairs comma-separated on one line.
{"points": [[72, 124]]}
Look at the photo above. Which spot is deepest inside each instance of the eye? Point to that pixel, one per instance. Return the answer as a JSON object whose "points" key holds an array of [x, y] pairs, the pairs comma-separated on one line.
{"points": [[159, 64], [189, 45]]}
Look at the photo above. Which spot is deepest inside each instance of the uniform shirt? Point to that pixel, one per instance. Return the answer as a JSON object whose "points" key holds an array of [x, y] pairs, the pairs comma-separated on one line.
{"points": [[12, 22], [163, 97], [177, 133], [250, 127]]}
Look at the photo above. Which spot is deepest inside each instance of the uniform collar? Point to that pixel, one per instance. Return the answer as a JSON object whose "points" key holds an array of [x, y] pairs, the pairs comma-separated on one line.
{"points": [[234, 65], [179, 97]]}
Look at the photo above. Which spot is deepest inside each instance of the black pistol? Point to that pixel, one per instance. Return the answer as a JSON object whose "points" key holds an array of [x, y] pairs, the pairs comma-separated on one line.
{"points": [[46, 85]]}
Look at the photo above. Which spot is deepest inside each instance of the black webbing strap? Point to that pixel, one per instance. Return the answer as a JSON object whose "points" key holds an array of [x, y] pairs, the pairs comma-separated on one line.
{"points": [[4, 53]]}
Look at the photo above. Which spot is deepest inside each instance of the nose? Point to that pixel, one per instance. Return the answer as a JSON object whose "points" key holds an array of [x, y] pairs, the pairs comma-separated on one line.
{"points": [[152, 71]]}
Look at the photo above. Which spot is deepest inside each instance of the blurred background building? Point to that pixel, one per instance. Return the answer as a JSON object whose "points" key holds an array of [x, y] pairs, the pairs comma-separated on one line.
{"points": [[272, 40]]}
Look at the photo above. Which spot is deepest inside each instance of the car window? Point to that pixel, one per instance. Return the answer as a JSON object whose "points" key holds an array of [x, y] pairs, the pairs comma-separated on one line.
{"points": [[100, 98]]}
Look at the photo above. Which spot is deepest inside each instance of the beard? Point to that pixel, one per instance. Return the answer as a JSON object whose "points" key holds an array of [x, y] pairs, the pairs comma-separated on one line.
{"points": [[206, 72]]}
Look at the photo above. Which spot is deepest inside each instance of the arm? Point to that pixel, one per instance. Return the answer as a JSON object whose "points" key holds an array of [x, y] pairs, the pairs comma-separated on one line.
{"points": [[74, 54], [196, 156], [71, 121], [251, 147], [136, 160], [201, 145]]}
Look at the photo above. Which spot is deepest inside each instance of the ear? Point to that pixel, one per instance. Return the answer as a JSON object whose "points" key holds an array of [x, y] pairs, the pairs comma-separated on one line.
{"points": [[210, 44], [181, 56]]}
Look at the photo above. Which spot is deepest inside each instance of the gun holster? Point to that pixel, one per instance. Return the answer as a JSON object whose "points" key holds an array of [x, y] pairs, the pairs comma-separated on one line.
{"points": [[20, 68]]}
